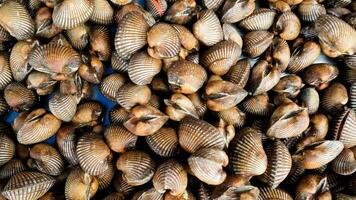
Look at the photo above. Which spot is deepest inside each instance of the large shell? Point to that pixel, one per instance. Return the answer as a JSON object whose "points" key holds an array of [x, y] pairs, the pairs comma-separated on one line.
{"points": [[78, 36], [138, 167], [103, 13], [279, 163], [119, 139], [313, 186], [179, 106], [111, 84], [221, 57], [171, 176], [19, 59], [66, 140], [181, 12], [131, 34], [259, 105], [208, 29], [164, 142], [261, 19], [263, 77], [157, 7], [335, 36], [63, 107], [27, 185], [7, 148], [304, 56], [142, 68], [11, 168], [287, 26], [130, 95], [38, 126], [246, 153], [234, 11], [270, 193], [334, 98], [5, 71], [319, 75], [80, 185], [15, 18], [310, 10], [232, 33], [195, 134], [344, 128], [207, 165], [93, 154], [256, 42], [88, 114], [233, 116], [99, 38], [239, 73], [72, 13], [345, 162]]}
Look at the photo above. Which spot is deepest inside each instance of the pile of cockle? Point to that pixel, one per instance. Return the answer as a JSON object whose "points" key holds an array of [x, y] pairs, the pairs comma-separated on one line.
{"points": [[216, 99]]}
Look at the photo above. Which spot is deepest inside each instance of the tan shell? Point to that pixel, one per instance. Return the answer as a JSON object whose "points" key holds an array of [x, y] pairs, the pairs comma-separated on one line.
{"points": [[156, 7], [352, 92], [138, 167], [148, 194], [19, 59], [320, 75], [232, 33], [71, 13], [194, 134], [179, 106], [3, 106], [181, 12], [5, 71], [260, 19], [239, 73], [41, 82], [133, 7], [207, 165], [199, 104], [43, 23], [289, 86], [99, 40], [78, 36], [119, 64], [345, 162], [287, 26], [119, 139], [118, 115], [259, 105], [7, 148], [233, 116], [28, 185], [80, 185], [103, 13], [130, 95], [92, 69], [63, 107], [208, 29], [270, 193], [88, 114], [106, 177], [11, 168], [344, 128], [234, 11], [164, 142], [212, 4], [310, 10], [187, 39], [142, 68], [121, 186], [4, 35], [263, 77], [334, 98], [313, 186], [303, 56], [246, 153], [111, 84], [66, 140], [256, 42]]}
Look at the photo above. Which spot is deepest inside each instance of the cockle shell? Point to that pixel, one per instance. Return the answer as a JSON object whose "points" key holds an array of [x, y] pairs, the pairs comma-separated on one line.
{"points": [[279, 53], [270, 193], [103, 13], [344, 128], [234, 11], [287, 26], [78, 36], [345, 162], [164, 142], [263, 77], [118, 115], [289, 86], [260, 19], [212, 4], [334, 98], [106, 177], [181, 12], [142, 68], [208, 29], [88, 114], [303, 56], [18, 97], [313, 186], [259, 105], [256, 42], [233, 116], [179, 106], [239, 73], [111, 84], [66, 140], [43, 23], [157, 7], [232, 33], [19, 58], [130, 95], [319, 75], [119, 139], [7, 148], [11, 168], [80, 185], [148, 194], [187, 38], [99, 42], [5, 71], [63, 107]]}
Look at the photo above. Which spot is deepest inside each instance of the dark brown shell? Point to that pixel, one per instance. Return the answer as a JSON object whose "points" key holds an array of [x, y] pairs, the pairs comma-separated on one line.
{"points": [[164, 142], [157, 7], [66, 140], [99, 38], [287, 26], [303, 56], [111, 84], [19, 58], [259, 105], [233, 116], [319, 75], [270, 193], [279, 53], [256, 42], [78, 36], [344, 128], [63, 107], [310, 10], [142, 68], [103, 13], [208, 29], [7, 148], [88, 114], [119, 64], [18, 97], [5, 71], [260, 19], [345, 162], [78, 183], [263, 77], [334, 98], [130, 95], [119, 139], [11, 168], [314, 186], [46, 159], [239, 73], [234, 11], [352, 99]]}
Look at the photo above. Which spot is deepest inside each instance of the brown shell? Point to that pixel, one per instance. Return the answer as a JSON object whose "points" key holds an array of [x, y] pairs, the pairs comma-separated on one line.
{"points": [[235, 187], [207, 29], [115, 196], [4, 35], [63, 107], [221, 57], [263, 77], [138, 167], [118, 115], [103, 13], [142, 68], [66, 140], [41, 82], [111, 84], [11, 168], [313, 186], [194, 134], [78, 36], [133, 7], [148, 194], [164, 142], [3, 106], [246, 153], [350, 61], [5, 71], [121, 185], [199, 104], [310, 10], [234, 11], [80, 185], [212, 4], [233, 116], [28, 185], [279, 53], [352, 92], [7, 148], [18, 97], [270, 193], [344, 128], [287, 26], [303, 56], [259, 105], [106, 177], [256, 42], [239, 73], [92, 69], [88, 114], [119, 64], [319, 75], [260, 19], [187, 39], [334, 98], [19, 59], [289, 86], [15, 19], [43, 23], [71, 13], [181, 12], [179, 106], [157, 7], [99, 38], [207, 165], [345, 162], [46, 159], [119, 139], [130, 95]]}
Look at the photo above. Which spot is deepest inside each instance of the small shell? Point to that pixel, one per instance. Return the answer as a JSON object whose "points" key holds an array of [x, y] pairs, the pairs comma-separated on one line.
{"points": [[7, 148], [103, 13], [18, 97], [164, 142], [207, 165], [63, 107], [287, 26], [111, 84], [5, 71], [19, 59], [119, 139], [221, 57], [261, 19], [142, 68], [344, 128], [345, 162], [232, 33], [208, 29], [233, 116], [289, 86], [11, 168], [179, 106], [256, 42], [212, 4], [43, 23], [157, 7], [186, 77], [239, 73], [234, 11], [66, 140], [106, 177], [130, 95], [199, 104], [280, 53], [131, 34], [263, 77], [78, 36], [303, 56], [145, 120], [28, 185], [246, 153], [181, 12], [119, 64], [310, 10], [270, 193], [88, 114], [72, 13], [80, 185], [309, 98], [313, 186], [171, 176], [99, 38], [118, 115], [15, 19], [334, 98], [138, 167], [320, 75], [259, 105], [187, 39]]}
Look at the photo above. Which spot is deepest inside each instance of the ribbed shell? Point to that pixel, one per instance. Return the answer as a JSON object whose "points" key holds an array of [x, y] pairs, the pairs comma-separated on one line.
{"points": [[115, 196], [4, 35], [345, 162], [7, 148], [208, 29], [233, 116], [259, 105], [118, 115], [171, 176], [11, 168], [103, 13], [304, 56], [263, 77], [18, 97], [287, 26], [309, 98], [335, 36], [164, 142], [5, 71], [15, 18], [157, 7], [187, 38], [319, 75], [142, 68], [66, 140], [232, 33], [119, 139], [131, 34], [148, 194], [121, 185], [212, 4], [138, 167], [338, 3], [99, 40], [334, 98], [239, 73], [352, 93], [195, 134], [47, 159], [130, 95], [261, 19], [106, 177], [27, 185], [111, 84], [19, 59], [78, 36], [119, 64], [234, 11], [92, 153], [80, 185], [267, 193], [279, 163], [344, 128], [71, 13], [63, 107], [220, 57], [350, 61], [256, 42], [310, 10]]}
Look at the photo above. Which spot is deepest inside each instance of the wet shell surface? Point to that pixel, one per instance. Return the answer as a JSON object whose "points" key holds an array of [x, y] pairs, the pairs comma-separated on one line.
{"points": [[66, 140], [80, 185], [119, 64], [208, 29], [103, 13], [7, 148], [344, 128], [233, 116], [5, 71], [99, 40], [106, 177], [130, 95], [304, 56], [256, 42], [270, 193], [63, 107], [334, 98], [234, 11], [164, 142], [88, 114], [142, 68], [78, 36], [259, 105], [239, 73], [260, 19], [111, 84], [287, 26], [310, 10], [345, 162], [11, 168], [119, 139], [46, 159], [19, 59], [263, 77], [319, 75]]}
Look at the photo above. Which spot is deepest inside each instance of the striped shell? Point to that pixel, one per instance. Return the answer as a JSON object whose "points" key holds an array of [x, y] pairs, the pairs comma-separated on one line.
{"points": [[212, 4], [261, 19], [38, 126], [199, 104], [121, 185], [310, 10], [304, 56], [345, 162], [344, 128], [179, 106], [63, 107], [27, 185], [46, 159], [5, 71], [92, 69], [263, 77], [279, 163], [187, 39], [119, 64], [194, 134], [334, 98], [232, 33], [66, 140], [69, 14], [106, 177], [207, 165], [171, 176], [157, 7], [350, 61], [43, 24], [256, 42], [119, 139], [11, 168], [103, 13], [313, 186], [7, 148], [3, 106], [111, 84], [246, 153], [99, 40], [88, 114], [239, 73], [352, 92], [287, 26], [319, 75], [80, 185], [164, 142], [335, 35], [78, 36], [130, 95], [208, 29], [131, 34], [276, 194], [148, 194], [4, 35], [18, 97], [233, 116], [15, 19], [234, 11], [118, 115], [280, 53], [19, 59], [93, 154], [221, 57], [142, 68], [259, 105], [137, 167], [235, 187]]}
